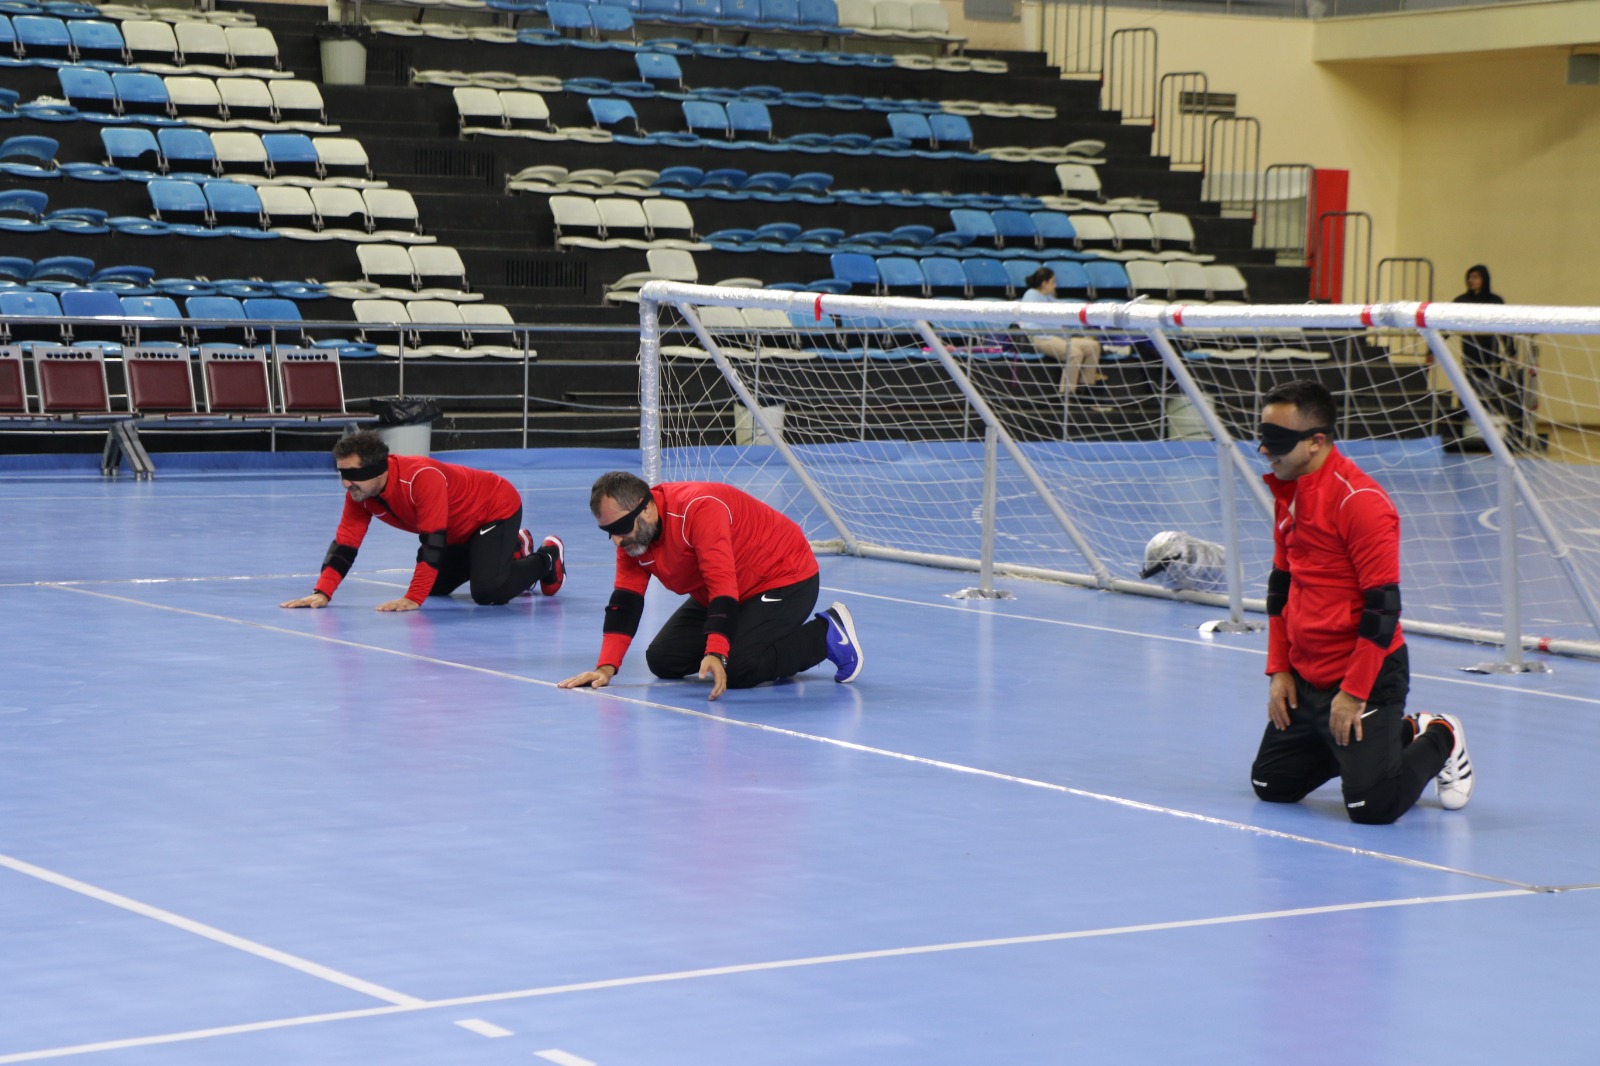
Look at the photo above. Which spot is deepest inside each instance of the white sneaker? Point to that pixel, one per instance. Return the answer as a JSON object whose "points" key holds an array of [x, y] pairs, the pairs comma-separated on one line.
{"points": [[1455, 781]]}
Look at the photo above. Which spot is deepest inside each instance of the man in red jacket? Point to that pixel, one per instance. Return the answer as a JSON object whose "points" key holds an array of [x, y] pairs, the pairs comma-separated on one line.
{"points": [[748, 571], [468, 521], [1335, 654]]}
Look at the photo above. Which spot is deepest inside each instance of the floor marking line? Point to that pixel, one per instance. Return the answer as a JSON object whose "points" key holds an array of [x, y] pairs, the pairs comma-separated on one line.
{"points": [[848, 745], [209, 932], [756, 967], [562, 1058], [483, 1028], [1196, 641]]}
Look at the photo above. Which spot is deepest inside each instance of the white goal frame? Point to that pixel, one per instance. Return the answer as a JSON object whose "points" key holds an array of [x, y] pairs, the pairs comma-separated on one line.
{"points": [[1161, 324]]}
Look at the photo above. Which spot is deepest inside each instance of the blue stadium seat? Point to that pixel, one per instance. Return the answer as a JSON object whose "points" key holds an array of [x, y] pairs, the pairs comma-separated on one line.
{"points": [[750, 117], [15, 268], [8, 48], [781, 14], [725, 179], [132, 148], [234, 204], [944, 276], [911, 126], [812, 182], [679, 177], [71, 269], [1055, 229], [29, 156], [1108, 279], [778, 236], [985, 276], [215, 309], [22, 209], [41, 37], [571, 18], [88, 89], [706, 119], [178, 201], [857, 268], [912, 236], [609, 113], [901, 275], [90, 303], [951, 131], [819, 14], [143, 94], [24, 305], [611, 22], [1015, 229], [767, 181], [96, 41], [661, 10], [291, 153], [977, 226], [188, 150], [659, 67]]}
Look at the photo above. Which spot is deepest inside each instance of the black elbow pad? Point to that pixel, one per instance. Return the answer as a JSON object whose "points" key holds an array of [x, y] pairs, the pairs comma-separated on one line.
{"points": [[1277, 592], [432, 550], [623, 612], [1380, 615], [339, 558], [719, 616]]}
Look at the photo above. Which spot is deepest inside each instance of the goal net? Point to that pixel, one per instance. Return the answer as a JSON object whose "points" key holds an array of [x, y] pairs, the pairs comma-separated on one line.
{"points": [[879, 423]]}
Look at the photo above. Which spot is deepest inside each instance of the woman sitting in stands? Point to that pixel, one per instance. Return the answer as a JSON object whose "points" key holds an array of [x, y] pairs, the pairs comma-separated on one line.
{"points": [[1080, 354]]}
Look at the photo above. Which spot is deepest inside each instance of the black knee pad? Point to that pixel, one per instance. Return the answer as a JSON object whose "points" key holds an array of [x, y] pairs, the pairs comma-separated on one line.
{"points": [[1362, 812], [662, 667], [1276, 790]]}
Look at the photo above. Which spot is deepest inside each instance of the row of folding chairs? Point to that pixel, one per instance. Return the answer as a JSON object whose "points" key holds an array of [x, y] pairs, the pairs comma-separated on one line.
{"points": [[235, 382], [28, 211], [48, 40], [60, 273], [243, 102], [157, 45], [439, 329], [248, 156], [29, 317], [429, 270], [143, 153], [1083, 279], [321, 213], [623, 222]]}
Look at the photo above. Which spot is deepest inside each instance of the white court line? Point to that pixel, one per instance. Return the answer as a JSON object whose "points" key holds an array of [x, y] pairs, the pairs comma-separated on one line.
{"points": [[483, 1028], [189, 925], [848, 745], [744, 968], [1195, 641], [562, 1058]]}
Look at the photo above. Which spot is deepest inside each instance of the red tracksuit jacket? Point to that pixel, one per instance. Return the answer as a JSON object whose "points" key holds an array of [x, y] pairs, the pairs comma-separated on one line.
{"points": [[715, 541], [1337, 534], [425, 496]]}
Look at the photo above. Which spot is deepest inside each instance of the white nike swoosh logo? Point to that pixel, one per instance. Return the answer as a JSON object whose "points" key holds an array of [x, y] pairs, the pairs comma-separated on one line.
{"points": [[485, 529], [1372, 712], [771, 599]]}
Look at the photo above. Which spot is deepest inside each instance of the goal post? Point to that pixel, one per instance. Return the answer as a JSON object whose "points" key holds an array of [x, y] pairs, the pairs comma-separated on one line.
{"points": [[864, 418]]}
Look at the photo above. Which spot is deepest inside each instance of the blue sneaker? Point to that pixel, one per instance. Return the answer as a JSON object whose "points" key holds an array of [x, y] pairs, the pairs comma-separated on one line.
{"points": [[844, 649]]}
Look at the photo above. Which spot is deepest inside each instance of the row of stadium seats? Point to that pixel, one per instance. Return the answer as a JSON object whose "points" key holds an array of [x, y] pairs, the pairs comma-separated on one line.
{"points": [[111, 97], [547, 38], [61, 273], [1082, 279]]}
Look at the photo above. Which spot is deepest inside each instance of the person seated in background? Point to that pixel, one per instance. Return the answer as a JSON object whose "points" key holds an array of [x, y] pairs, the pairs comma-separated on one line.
{"points": [[1081, 355]]}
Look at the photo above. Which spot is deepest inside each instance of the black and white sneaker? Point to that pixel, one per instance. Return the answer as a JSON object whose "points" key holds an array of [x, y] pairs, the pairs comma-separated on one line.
{"points": [[1455, 781]]}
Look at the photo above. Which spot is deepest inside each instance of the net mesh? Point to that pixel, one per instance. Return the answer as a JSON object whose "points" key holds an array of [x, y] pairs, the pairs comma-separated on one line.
{"points": [[1119, 451]]}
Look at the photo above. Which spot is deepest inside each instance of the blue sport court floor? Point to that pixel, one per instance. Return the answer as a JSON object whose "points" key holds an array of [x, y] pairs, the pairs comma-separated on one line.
{"points": [[231, 833]]}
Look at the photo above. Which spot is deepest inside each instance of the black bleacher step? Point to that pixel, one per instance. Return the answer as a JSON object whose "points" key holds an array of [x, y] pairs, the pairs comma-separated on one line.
{"points": [[472, 208]]}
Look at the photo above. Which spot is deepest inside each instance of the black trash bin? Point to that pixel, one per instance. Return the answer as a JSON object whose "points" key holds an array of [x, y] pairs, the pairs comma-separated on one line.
{"points": [[406, 422]]}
